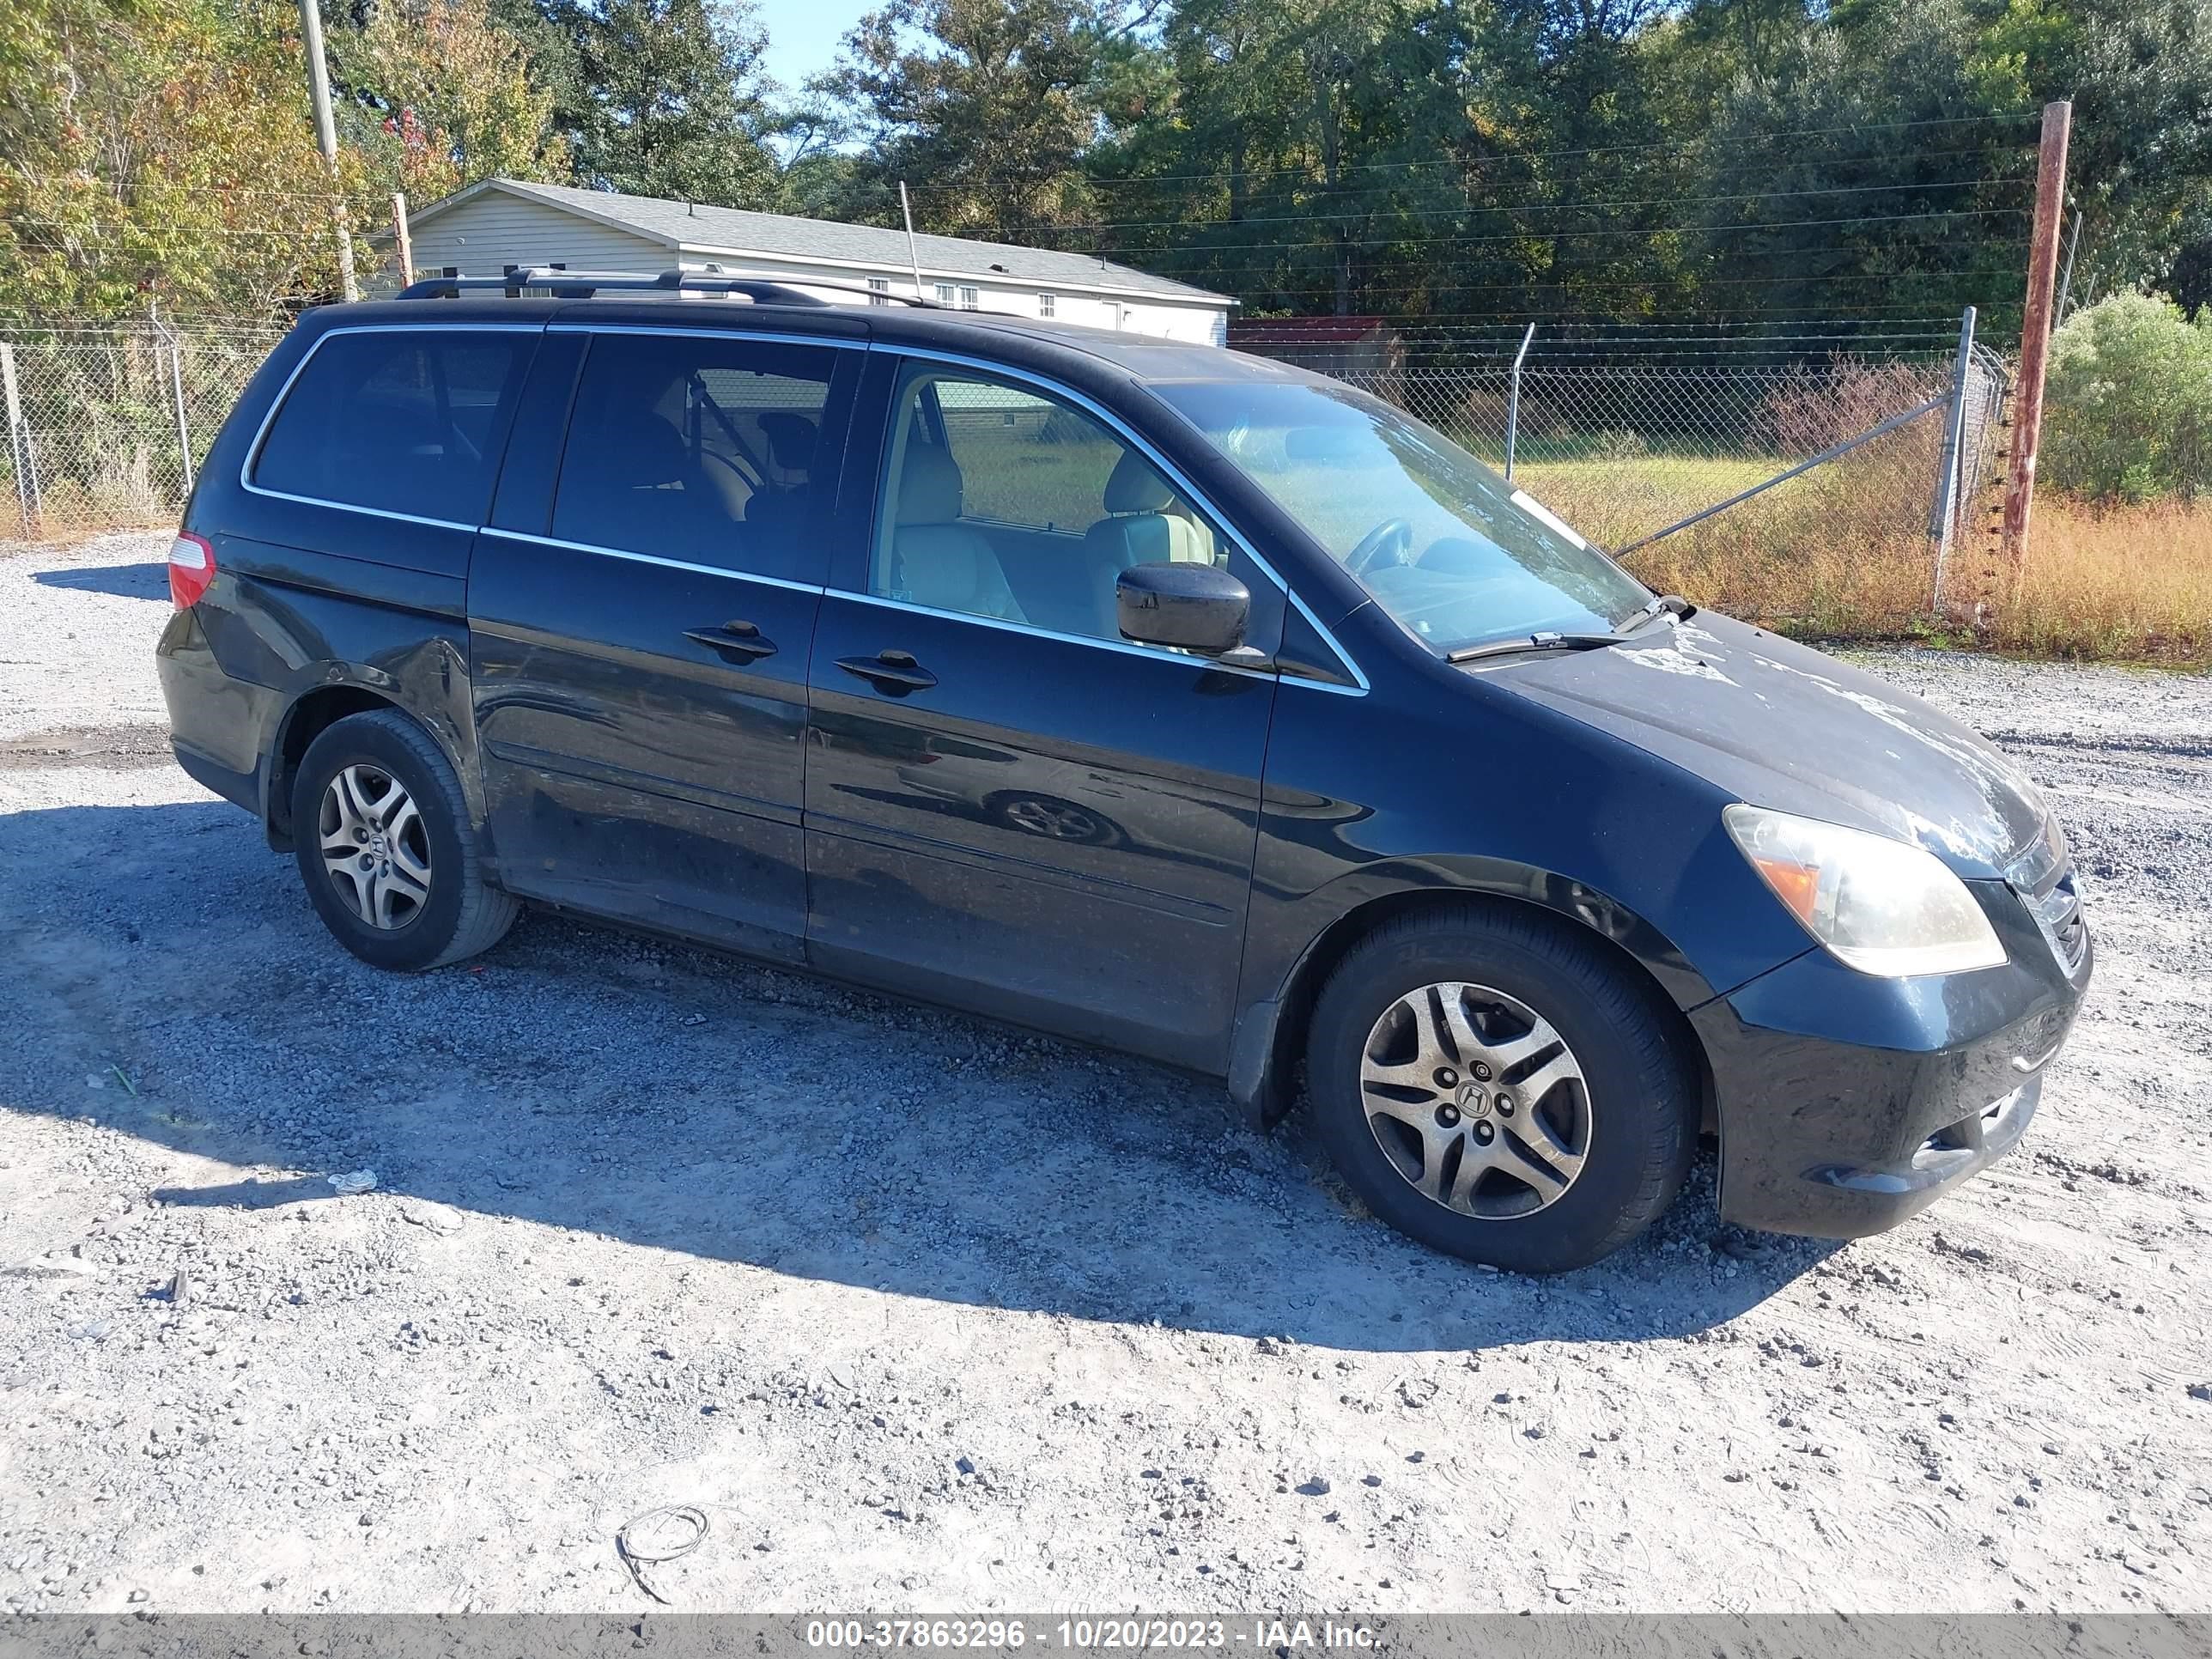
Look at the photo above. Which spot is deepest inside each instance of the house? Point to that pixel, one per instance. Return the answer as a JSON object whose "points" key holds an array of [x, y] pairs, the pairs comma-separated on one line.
{"points": [[1368, 350], [498, 222]]}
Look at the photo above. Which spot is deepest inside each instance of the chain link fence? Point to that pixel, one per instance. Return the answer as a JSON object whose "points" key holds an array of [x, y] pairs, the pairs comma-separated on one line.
{"points": [[107, 426], [1626, 449]]}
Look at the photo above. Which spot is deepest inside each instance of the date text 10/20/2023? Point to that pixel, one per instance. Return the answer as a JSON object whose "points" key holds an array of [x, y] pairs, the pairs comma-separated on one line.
{"points": [[1108, 1634]]}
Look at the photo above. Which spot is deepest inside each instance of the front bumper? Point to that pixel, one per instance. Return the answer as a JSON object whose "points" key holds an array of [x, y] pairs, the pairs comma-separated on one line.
{"points": [[1848, 1103]]}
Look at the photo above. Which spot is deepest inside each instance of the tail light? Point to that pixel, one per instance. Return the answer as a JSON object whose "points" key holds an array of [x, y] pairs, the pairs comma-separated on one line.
{"points": [[191, 567]]}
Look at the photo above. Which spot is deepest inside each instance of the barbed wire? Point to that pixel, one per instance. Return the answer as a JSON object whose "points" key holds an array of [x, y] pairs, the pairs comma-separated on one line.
{"points": [[1185, 221], [1606, 150]]}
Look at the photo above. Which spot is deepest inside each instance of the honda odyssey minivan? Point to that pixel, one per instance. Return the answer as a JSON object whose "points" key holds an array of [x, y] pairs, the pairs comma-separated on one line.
{"points": [[1142, 693]]}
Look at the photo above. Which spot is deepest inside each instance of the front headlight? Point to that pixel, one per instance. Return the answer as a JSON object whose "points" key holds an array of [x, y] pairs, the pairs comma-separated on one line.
{"points": [[1880, 906]]}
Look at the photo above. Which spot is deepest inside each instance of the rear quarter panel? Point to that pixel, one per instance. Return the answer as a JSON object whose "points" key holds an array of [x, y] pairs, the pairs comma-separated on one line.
{"points": [[309, 597]]}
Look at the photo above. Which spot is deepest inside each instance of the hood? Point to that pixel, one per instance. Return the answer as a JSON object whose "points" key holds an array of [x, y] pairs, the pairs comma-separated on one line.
{"points": [[1781, 725]]}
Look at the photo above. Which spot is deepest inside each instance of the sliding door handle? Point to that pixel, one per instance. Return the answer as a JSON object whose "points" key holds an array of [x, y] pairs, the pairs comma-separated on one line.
{"points": [[736, 641], [895, 671]]}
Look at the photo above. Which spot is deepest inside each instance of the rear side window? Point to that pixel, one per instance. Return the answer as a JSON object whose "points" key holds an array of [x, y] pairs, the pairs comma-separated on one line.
{"points": [[398, 421], [709, 451]]}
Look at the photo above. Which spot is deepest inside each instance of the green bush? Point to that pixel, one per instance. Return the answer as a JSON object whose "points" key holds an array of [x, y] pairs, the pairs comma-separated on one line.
{"points": [[2128, 407]]}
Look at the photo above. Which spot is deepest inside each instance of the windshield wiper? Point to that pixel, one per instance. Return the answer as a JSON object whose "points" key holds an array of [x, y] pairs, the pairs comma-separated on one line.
{"points": [[1540, 641], [1659, 603], [1546, 640]]}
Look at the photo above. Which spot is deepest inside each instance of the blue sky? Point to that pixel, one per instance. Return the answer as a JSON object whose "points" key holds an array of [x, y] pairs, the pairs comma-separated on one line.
{"points": [[803, 34]]}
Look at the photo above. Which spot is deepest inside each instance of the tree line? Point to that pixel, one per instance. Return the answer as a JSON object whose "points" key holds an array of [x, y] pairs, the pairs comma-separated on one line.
{"points": [[1455, 162]]}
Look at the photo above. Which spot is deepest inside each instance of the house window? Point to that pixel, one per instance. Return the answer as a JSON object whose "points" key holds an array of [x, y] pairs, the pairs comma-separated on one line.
{"points": [[968, 298], [1047, 304], [879, 291], [946, 293]]}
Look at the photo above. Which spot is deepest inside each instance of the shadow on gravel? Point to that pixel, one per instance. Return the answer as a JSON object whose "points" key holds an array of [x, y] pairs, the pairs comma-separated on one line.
{"points": [[130, 581], [671, 1099]]}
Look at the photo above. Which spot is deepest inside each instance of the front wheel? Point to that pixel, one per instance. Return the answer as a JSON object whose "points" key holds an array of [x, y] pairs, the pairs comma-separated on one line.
{"points": [[384, 843], [1491, 1084]]}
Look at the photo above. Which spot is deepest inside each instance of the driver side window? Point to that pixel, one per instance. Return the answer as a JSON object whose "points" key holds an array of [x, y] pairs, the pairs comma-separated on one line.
{"points": [[1000, 501]]}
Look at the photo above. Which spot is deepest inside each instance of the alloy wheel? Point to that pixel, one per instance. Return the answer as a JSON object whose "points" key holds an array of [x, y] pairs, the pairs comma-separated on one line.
{"points": [[375, 847], [1054, 820], [1476, 1099]]}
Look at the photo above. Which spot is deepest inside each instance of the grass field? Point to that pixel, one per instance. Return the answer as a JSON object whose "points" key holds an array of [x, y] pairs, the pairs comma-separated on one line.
{"points": [[2132, 583], [1622, 500], [1843, 553]]}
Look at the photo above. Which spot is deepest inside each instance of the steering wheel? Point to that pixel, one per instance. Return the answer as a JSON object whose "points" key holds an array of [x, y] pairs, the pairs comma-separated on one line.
{"points": [[1390, 542]]}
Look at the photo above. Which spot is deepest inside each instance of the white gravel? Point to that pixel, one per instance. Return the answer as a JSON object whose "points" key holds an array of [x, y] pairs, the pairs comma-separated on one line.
{"points": [[925, 1315]]}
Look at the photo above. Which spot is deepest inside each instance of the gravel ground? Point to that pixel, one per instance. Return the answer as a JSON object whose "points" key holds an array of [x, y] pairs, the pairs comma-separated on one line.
{"points": [[924, 1314]]}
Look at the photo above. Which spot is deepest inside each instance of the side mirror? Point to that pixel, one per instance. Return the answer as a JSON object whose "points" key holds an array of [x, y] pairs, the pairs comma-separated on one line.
{"points": [[1197, 607]]}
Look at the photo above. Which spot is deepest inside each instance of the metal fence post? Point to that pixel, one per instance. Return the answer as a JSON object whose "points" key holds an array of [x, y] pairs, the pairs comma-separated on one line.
{"points": [[168, 338], [1513, 401], [19, 444], [184, 429], [1943, 516]]}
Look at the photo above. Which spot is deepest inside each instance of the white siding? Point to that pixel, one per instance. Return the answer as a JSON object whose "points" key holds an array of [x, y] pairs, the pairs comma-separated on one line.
{"points": [[1205, 323], [495, 230]]}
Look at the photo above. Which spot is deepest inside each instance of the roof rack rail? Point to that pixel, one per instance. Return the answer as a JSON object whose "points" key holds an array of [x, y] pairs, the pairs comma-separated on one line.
{"points": [[566, 284]]}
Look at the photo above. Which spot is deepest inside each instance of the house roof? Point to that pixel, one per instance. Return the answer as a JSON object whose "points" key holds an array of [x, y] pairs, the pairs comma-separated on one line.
{"points": [[697, 228]]}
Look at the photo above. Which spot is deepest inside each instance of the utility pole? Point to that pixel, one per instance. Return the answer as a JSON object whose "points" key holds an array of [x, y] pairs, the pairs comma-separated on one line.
{"points": [[326, 137], [913, 258], [2035, 332], [400, 237]]}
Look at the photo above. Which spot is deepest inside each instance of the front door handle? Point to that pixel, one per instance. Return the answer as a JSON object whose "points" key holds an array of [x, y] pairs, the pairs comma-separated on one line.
{"points": [[895, 671], [738, 641]]}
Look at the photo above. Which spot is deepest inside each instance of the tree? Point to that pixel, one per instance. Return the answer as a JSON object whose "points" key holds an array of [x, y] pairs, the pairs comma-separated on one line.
{"points": [[989, 105], [160, 150], [437, 95], [2139, 73], [1880, 168], [661, 97]]}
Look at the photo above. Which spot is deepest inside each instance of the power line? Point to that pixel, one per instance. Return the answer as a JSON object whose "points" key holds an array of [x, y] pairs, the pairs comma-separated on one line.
{"points": [[1636, 284], [1535, 235], [158, 188], [1600, 150], [172, 228], [1470, 207], [1465, 176]]}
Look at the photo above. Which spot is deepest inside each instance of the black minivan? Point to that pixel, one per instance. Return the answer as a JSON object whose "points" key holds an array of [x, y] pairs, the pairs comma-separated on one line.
{"points": [[1143, 693]]}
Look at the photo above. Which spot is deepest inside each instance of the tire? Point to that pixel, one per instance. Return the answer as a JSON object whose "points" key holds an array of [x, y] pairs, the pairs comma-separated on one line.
{"points": [[1557, 1181], [457, 913]]}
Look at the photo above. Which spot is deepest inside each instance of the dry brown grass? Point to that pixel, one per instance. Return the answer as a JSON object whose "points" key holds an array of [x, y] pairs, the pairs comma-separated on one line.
{"points": [[2130, 584], [2126, 582], [1843, 553]]}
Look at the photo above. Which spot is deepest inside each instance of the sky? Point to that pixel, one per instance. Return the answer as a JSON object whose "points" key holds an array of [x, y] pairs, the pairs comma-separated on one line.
{"points": [[803, 34]]}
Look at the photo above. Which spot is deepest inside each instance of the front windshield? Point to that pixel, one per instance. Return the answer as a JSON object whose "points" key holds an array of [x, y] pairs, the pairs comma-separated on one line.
{"points": [[1445, 545]]}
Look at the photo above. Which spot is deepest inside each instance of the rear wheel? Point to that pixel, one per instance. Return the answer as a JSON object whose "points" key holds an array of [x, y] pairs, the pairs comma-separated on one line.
{"points": [[383, 840], [1491, 1084]]}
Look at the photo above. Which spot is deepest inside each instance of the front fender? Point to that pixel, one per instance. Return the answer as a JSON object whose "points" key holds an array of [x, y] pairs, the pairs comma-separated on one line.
{"points": [[1329, 918], [1450, 786]]}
